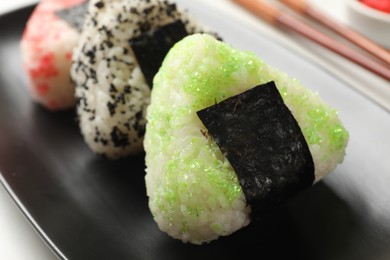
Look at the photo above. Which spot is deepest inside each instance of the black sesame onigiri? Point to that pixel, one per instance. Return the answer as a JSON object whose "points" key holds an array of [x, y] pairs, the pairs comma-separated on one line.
{"points": [[194, 191], [112, 80]]}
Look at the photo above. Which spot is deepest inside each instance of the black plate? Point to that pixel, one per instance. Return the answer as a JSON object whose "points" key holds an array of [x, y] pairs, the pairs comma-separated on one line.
{"points": [[87, 207]]}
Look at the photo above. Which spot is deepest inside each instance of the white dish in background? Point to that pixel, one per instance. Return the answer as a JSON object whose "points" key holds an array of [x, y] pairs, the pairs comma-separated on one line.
{"points": [[373, 23]]}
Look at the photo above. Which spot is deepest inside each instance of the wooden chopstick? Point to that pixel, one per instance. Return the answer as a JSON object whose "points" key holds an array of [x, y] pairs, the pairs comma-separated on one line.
{"points": [[304, 8], [274, 16]]}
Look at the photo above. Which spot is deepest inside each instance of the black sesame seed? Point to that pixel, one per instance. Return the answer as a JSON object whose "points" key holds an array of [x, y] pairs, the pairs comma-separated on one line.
{"points": [[138, 126], [111, 108], [118, 138], [127, 89], [121, 98], [133, 10], [148, 10], [94, 22], [113, 88], [99, 4], [103, 141], [127, 125]]}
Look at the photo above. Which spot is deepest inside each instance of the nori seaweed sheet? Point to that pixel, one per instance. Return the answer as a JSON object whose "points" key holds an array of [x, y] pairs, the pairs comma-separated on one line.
{"points": [[264, 144], [151, 47], [74, 15]]}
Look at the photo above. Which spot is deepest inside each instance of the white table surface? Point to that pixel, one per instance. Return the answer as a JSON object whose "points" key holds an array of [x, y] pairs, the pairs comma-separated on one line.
{"points": [[19, 240]]}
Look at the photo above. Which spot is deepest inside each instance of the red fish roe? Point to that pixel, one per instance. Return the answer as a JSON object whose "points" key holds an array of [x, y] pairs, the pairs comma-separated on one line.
{"points": [[46, 67], [52, 105], [380, 5], [68, 56], [42, 89]]}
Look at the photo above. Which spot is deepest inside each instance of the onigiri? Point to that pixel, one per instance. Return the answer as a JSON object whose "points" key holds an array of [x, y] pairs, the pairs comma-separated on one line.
{"points": [[112, 74], [195, 192], [46, 51]]}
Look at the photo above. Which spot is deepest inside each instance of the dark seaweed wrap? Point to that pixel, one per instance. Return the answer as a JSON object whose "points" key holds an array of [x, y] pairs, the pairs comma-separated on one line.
{"points": [[74, 15], [264, 144], [151, 47]]}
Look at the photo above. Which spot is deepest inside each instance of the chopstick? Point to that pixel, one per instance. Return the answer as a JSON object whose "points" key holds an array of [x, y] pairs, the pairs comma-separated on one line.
{"points": [[304, 8], [274, 16]]}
